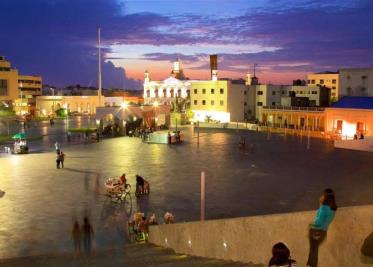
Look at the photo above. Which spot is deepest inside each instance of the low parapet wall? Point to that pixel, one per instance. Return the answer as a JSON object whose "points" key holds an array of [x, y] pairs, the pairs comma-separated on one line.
{"points": [[250, 239]]}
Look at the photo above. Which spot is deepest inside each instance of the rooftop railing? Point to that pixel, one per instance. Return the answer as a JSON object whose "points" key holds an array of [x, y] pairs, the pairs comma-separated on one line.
{"points": [[319, 109]]}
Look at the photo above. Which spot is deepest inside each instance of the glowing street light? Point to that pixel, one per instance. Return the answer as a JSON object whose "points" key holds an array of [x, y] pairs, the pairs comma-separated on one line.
{"points": [[124, 105]]}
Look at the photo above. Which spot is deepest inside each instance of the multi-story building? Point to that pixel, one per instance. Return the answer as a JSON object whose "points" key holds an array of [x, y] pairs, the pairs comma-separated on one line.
{"points": [[29, 87], [265, 95], [328, 79], [356, 82], [272, 96], [218, 100], [18, 90], [8, 82]]}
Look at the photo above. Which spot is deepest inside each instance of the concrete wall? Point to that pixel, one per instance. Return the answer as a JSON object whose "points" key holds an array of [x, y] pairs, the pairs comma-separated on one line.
{"points": [[250, 239]]}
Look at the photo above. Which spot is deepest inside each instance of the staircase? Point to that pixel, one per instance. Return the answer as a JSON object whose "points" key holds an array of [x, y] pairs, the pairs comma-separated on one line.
{"points": [[139, 255]]}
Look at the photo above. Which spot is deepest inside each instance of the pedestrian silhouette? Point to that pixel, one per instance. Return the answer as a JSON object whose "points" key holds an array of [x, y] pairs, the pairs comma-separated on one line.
{"points": [[87, 235], [76, 236]]}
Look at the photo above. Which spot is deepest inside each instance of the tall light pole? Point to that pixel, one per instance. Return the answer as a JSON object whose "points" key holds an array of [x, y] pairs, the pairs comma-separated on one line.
{"points": [[99, 67]]}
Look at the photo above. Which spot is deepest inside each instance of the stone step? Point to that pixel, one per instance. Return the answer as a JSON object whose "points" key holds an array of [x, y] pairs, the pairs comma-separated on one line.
{"points": [[139, 255]]}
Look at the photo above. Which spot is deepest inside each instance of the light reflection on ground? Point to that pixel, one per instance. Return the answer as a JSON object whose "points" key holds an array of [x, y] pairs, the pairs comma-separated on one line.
{"points": [[275, 176]]}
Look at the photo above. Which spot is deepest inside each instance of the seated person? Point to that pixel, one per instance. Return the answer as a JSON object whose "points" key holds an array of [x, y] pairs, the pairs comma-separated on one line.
{"points": [[123, 179]]}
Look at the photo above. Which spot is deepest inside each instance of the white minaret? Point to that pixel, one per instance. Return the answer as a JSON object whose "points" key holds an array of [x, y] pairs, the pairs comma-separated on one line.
{"points": [[146, 77], [214, 75], [248, 78], [99, 68]]}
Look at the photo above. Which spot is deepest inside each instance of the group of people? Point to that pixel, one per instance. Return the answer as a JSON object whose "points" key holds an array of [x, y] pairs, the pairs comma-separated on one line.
{"points": [[361, 136], [60, 158], [138, 227], [83, 234], [317, 234]]}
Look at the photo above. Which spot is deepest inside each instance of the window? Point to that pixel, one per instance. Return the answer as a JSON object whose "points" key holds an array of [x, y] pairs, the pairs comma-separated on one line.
{"points": [[333, 94], [4, 69], [314, 92], [195, 102], [245, 93], [273, 92], [259, 104], [260, 93], [203, 91], [312, 81], [212, 102], [156, 92], [273, 103], [147, 93], [221, 103], [172, 93], [309, 81], [212, 91], [164, 92], [179, 93], [221, 91], [188, 93], [334, 81], [203, 102], [3, 87], [321, 81], [244, 103], [334, 88], [195, 91]]}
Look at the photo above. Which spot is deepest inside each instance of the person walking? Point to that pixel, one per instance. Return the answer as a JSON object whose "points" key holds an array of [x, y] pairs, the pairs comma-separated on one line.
{"points": [[281, 256], [76, 236], [57, 147], [88, 233], [62, 158], [318, 230], [58, 160]]}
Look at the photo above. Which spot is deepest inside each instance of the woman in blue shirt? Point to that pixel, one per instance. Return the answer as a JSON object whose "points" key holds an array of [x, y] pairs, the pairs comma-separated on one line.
{"points": [[324, 216]]}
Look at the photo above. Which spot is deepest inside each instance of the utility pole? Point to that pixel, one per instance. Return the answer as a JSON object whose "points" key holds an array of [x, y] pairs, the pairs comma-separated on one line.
{"points": [[99, 68]]}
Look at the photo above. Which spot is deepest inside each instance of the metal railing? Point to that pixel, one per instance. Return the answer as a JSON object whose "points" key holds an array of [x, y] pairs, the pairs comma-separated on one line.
{"points": [[318, 109]]}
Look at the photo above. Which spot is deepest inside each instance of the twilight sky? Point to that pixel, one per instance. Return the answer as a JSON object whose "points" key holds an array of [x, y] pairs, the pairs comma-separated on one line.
{"points": [[286, 38]]}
